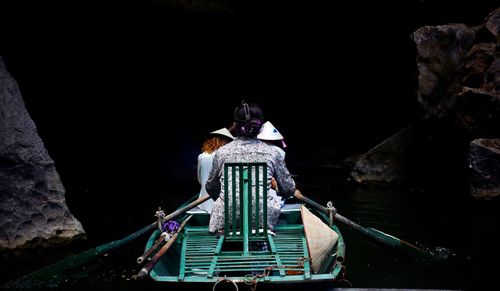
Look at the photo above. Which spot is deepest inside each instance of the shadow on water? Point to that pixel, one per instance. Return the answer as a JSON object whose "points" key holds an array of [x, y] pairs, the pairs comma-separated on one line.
{"points": [[465, 231]]}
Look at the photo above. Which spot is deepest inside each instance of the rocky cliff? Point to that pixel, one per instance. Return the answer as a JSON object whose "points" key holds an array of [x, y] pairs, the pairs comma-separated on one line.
{"points": [[33, 211]]}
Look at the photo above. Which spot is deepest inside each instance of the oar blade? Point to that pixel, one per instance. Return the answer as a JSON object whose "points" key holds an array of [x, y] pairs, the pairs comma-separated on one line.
{"points": [[389, 239], [396, 242]]}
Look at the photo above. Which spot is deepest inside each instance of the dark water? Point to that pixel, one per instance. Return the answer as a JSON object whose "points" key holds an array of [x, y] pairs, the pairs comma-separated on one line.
{"points": [[465, 231]]}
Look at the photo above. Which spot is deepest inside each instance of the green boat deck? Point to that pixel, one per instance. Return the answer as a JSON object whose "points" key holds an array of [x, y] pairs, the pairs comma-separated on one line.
{"points": [[242, 253], [204, 257]]}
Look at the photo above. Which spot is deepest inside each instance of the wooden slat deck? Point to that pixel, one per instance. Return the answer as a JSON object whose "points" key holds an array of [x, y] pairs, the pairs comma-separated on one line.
{"points": [[202, 255]]}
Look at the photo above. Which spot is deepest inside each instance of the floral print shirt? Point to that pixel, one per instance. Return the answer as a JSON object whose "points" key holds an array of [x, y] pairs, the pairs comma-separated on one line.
{"points": [[248, 150]]}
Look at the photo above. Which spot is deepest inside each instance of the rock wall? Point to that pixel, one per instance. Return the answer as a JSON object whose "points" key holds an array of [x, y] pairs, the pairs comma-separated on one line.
{"points": [[389, 161], [484, 162], [459, 75], [459, 93], [33, 211]]}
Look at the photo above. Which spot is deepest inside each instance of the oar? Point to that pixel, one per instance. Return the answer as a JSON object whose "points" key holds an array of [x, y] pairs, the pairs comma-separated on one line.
{"points": [[147, 268], [150, 251], [183, 209], [52, 274], [158, 242], [377, 235]]}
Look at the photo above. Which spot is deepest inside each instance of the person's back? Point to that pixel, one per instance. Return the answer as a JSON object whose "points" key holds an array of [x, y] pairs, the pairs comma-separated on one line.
{"points": [[214, 141], [270, 135], [247, 148]]}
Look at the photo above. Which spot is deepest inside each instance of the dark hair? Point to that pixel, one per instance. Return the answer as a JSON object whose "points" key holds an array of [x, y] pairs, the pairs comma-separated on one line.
{"points": [[248, 118]]}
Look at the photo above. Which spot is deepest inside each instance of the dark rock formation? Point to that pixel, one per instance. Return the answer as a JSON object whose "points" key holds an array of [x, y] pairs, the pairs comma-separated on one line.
{"points": [[459, 92], [459, 83], [484, 163], [441, 52], [459, 75], [389, 161], [33, 210], [493, 22]]}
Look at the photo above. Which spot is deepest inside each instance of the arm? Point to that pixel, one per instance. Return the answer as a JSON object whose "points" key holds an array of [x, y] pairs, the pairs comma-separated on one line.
{"points": [[198, 173], [286, 184]]}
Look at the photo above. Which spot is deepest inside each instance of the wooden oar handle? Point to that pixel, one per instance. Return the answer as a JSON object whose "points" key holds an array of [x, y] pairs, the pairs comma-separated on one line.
{"points": [[151, 249], [311, 202], [147, 268], [187, 207]]}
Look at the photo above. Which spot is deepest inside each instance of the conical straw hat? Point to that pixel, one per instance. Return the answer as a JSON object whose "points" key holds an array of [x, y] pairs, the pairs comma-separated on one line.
{"points": [[223, 131], [319, 236], [269, 132]]}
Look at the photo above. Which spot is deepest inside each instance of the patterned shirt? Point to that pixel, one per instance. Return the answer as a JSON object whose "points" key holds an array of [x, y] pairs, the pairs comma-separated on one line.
{"points": [[247, 150]]}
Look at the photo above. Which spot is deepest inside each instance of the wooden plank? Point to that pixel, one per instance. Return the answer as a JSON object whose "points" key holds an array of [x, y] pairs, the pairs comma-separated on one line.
{"points": [[272, 246], [226, 200], [307, 265], [238, 279], [264, 200], [182, 267], [240, 179], [257, 201], [244, 227]]}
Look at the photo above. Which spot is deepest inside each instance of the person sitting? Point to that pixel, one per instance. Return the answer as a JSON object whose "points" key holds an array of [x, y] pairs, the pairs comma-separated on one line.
{"points": [[212, 143], [270, 135], [247, 148]]}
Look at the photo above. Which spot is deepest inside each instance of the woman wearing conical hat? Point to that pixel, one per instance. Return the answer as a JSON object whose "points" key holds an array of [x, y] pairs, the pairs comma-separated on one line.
{"points": [[270, 135], [214, 141]]}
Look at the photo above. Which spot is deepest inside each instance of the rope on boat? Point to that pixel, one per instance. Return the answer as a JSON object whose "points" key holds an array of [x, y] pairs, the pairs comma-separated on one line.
{"points": [[160, 215], [343, 271], [225, 279], [253, 280]]}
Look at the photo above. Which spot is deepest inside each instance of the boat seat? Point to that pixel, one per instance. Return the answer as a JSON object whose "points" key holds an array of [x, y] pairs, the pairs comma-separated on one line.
{"points": [[238, 250], [245, 203], [290, 208], [197, 211]]}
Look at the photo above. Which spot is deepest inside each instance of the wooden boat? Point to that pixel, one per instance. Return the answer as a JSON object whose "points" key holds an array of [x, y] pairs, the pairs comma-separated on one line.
{"points": [[234, 255]]}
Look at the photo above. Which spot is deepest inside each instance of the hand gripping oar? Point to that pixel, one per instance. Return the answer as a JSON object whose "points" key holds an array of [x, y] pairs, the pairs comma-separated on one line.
{"points": [[147, 268], [377, 235], [54, 273]]}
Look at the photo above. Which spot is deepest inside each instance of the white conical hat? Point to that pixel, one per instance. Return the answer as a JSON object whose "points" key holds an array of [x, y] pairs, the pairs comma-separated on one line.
{"points": [[319, 236], [223, 131], [269, 132]]}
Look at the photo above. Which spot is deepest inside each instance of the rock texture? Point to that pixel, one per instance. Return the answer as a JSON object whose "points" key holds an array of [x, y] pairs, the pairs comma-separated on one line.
{"points": [[459, 92], [33, 210], [441, 52], [484, 162], [459, 75], [389, 161]]}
